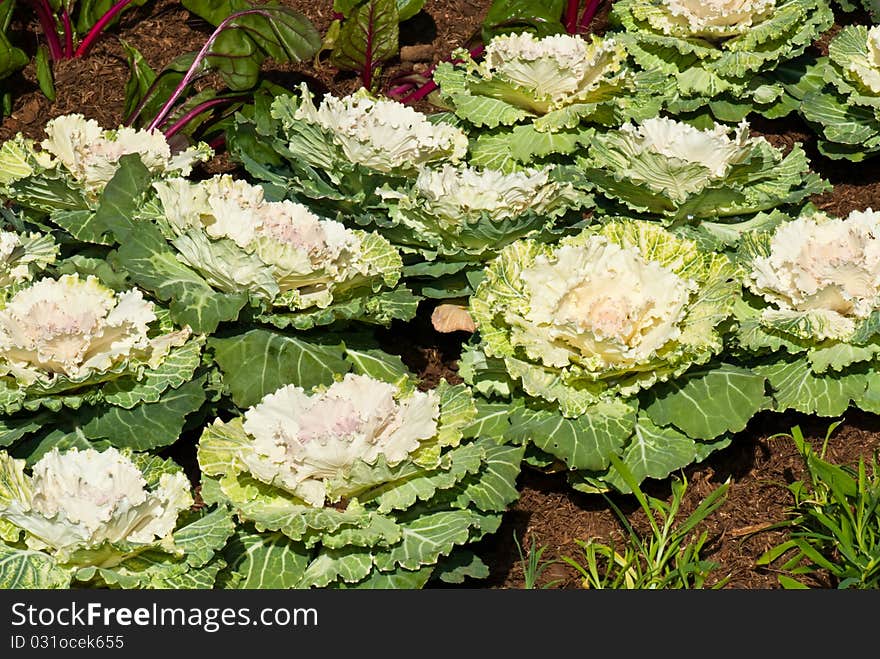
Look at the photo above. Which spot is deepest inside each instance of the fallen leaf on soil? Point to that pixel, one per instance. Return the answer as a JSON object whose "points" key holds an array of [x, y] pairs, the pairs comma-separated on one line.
{"points": [[452, 318]]}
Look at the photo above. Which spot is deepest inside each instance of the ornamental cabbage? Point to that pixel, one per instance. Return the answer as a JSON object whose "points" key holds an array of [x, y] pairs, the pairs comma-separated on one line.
{"points": [[77, 330], [299, 265], [73, 342], [811, 323], [557, 81], [22, 255], [78, 158], [609, 344], [845, 110], [335, 155], [103, 517], [459, 214], [602, 314], [382, 134], [720, 55], [360, 481], [680, 174], [823, 269], [301, 442]]}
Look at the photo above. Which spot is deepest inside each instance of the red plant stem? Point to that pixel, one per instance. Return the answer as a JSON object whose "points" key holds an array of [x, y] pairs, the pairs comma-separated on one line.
{"points": [[589, 14], [217, 142], [571, 16], [430, 86], [420, 93], [44, 14], [68, 34], [93, 34], [400, 89], [197, 110], [367, 74], [159, 119]]}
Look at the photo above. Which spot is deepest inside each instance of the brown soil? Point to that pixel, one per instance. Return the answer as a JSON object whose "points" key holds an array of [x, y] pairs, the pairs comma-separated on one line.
{"points": [[548, 513]]}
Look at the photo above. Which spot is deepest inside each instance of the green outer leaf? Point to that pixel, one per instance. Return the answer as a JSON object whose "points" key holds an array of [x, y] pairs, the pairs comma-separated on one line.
{"points": [[494, 488], [492, 420], [400, 579], [839, 356], [380, 308], [13, 429], [796, 387], [460, 565], [653, 452], [201, 538], [402, 492], [351, 564], [708, 403], [274, 360], [149, 425], [378, 364], [23, 569], [120, 200], [153, 265], [582, 443], [426, 538], [177, 368], [266, 560]]}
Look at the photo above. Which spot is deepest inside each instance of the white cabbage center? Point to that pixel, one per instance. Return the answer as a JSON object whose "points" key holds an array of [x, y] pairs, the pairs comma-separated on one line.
{"points": [[71, 326], [714, 149], [554, 67], [452, 192], [82, 499], [606, 301], [821, 263], [301, 439], [384, 135], [702, 14], [92, 154]]}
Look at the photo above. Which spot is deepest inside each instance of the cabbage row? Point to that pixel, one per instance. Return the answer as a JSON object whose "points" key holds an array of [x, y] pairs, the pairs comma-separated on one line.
{"points": [[197, 385]]}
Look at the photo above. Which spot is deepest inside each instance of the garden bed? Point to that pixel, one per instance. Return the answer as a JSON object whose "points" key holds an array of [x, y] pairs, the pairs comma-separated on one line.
{"points": [[759, 464]]}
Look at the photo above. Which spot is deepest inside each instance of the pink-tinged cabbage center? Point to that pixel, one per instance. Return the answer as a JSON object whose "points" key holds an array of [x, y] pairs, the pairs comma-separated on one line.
{"points": [[328, 420]]}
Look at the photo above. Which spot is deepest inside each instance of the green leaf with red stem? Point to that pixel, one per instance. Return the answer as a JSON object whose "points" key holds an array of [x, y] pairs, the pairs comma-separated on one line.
{"points": [[369, 37], [543, 17], [281, 33], [91, 11]]}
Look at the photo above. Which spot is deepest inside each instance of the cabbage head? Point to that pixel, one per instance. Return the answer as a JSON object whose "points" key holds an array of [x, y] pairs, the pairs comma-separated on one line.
{"points": [[336, 154], [845, 109], [70, 168], [452, 219], [721, 54], [719, 179], [611, 344], [555, 81], [811, 319], [359, 482], [73, 343], [106, 518], [303, 270]]}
